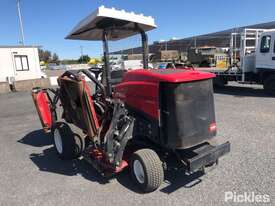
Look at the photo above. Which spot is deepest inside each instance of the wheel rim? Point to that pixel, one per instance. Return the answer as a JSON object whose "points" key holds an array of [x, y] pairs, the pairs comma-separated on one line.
{"points": [[58, 141], [138, 171]]}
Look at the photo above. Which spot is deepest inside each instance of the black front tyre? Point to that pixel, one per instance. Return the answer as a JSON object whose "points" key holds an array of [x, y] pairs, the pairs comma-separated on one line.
{"points": [[68, 144], [147, 170], [269, 85]]}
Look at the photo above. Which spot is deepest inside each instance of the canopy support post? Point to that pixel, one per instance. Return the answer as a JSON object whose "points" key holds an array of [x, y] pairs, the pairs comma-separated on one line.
{"points": [[106, 70], [145, 49]]}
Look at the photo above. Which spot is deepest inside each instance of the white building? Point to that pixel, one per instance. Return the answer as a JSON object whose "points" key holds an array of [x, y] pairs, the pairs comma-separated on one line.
{"points": [[19, 63]]}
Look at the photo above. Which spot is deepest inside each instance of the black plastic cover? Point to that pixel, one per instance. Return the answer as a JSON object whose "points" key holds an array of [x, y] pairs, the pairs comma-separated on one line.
{"points": [[187, 111]]}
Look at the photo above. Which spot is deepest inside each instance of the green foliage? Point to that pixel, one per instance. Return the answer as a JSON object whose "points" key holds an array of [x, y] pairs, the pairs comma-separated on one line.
{"points": [[47, 56], [55, 59], [69, 61], [44, 55], [84, 59]]}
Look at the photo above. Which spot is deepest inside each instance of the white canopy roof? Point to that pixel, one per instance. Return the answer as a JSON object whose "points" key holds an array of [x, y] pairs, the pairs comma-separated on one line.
{"points": [[122, 24]]}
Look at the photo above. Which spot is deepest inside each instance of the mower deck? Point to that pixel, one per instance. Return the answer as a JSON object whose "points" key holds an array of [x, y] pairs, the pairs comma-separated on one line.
{"points": [[96, 158]]}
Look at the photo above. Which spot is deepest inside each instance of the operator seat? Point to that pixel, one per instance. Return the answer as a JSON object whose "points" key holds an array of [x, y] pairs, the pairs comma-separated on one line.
{"points": [[77, 103], [117, 76]]}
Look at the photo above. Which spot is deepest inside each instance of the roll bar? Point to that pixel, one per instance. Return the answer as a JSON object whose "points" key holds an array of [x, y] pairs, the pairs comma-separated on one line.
{"points": [[107, 70]]}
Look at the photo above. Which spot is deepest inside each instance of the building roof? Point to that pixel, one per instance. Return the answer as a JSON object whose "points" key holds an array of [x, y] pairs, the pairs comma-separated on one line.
{"points": [[215, 39], [19, 46]]}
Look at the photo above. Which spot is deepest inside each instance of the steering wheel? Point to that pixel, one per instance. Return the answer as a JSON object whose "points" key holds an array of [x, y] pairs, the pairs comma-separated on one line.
{"points": [[99, 87]]}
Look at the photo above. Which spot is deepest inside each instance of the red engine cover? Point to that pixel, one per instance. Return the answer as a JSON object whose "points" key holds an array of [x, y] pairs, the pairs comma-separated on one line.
{"points": [[140, 88]]}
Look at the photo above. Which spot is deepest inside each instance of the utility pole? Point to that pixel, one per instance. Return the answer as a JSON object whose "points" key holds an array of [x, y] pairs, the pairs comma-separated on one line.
{"points": [[22, 38]]}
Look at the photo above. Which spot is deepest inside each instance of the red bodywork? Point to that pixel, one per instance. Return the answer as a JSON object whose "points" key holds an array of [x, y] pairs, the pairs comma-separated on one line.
{"points": [[43, 108], [98, 156], [140, 88]]}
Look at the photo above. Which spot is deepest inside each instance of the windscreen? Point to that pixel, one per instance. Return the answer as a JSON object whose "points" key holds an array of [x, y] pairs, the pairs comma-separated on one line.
{"points": [[187, 112]]}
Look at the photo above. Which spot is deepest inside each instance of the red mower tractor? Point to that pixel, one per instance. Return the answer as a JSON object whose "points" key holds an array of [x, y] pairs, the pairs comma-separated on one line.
{"points": [[150, 120]]}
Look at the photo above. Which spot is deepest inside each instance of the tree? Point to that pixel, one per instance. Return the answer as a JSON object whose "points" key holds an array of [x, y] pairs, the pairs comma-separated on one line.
{"points": [[84, 59], [69, 61], [44, 55], [55, 58]]}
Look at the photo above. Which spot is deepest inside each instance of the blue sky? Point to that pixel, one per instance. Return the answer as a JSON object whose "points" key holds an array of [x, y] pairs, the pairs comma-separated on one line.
{"points": [[47, 22]]}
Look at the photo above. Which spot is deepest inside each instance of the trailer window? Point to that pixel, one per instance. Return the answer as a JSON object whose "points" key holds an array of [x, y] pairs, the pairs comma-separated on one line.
{"points": [[21, 62], [265, 44], [274, 47]]}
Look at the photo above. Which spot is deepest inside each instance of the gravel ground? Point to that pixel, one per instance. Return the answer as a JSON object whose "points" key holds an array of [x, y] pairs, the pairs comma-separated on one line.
{"points": [[31, 174]]}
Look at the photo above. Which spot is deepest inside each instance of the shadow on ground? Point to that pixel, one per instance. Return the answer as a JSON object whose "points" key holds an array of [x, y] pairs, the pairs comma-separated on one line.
{"points": [[178, 179], [37, 138], [238, 91], [48, 161], [174, 180]]}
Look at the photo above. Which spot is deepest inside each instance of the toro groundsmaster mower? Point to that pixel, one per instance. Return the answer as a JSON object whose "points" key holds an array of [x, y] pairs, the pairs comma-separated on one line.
{"points": [[149, 121]]}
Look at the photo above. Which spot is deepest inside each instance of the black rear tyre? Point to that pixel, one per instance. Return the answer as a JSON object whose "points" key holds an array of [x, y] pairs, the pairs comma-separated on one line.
{"points": [[67, 143], [147, 170], [269, 85]]}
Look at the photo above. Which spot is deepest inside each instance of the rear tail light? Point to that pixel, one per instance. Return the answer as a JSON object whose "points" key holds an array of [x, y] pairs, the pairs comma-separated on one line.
{"points": [[213, 127]]}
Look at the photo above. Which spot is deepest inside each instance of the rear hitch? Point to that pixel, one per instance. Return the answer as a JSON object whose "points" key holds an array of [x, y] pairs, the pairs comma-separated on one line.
{"points": [[201, 156]]}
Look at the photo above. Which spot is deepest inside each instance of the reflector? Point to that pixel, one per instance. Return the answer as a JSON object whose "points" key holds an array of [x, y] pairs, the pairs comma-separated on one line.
{"points": [[213, 127]]}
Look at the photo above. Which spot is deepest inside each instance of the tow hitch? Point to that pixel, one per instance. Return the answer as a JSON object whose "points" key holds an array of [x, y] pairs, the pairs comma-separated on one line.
{"points": [[200, 156]]}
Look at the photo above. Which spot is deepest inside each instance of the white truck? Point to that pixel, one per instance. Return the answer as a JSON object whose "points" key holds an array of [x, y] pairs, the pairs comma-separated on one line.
{"points": [[255, 51]]}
